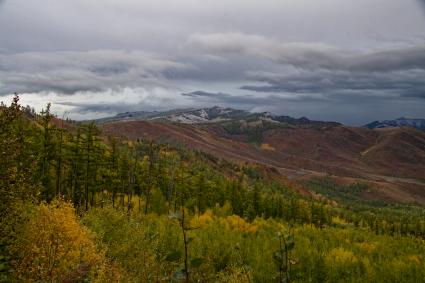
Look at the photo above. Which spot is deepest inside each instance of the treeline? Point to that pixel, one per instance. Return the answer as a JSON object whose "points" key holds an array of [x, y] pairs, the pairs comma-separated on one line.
{"points": [[378, 216], [92, 170], [77, 162], [81, 165]]}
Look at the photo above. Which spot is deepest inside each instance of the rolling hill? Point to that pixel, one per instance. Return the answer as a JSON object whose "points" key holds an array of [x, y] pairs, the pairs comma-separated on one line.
{"points": [[392, 160]]}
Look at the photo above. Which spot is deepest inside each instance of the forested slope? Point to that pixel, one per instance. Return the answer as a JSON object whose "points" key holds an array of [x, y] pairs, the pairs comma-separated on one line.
{"points": [[77, 205], [390, 160]]}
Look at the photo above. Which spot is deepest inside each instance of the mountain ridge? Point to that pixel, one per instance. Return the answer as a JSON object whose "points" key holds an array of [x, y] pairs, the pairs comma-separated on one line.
{"points": [[399, 122], [218, 114], [206, 115]]}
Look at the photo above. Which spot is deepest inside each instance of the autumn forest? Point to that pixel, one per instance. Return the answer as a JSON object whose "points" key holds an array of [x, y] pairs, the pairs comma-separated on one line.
{"points": [[78, 205]]}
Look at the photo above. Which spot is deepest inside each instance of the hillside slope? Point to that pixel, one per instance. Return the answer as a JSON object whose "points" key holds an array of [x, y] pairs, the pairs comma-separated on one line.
{"points": [[338, 150], [391, 160]]}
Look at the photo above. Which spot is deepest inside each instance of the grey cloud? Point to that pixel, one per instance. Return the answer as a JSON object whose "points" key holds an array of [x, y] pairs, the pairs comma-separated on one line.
{"points": [[94, 71], [250, 101], [313, 56], [388, 60], [162, 25], [324, 70], [297, 56], [385, 84], [217, 69], [210, 98], [105, 107]]}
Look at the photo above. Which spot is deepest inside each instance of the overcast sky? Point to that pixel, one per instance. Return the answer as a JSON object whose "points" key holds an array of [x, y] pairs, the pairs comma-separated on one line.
{"points": [[350, 61]]}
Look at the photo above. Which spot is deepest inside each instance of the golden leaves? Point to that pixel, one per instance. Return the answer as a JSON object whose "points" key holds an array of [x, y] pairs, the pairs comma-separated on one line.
{"points": [[55, 247]]}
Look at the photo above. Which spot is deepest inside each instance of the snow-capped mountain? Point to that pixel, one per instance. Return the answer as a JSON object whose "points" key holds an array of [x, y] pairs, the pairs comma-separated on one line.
{"points": [[186, 116], [203, 115], [214, 114], [415, 123]]}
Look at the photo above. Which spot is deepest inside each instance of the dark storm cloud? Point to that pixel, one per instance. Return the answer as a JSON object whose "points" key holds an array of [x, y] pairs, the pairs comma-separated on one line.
{"points": [[324, 69], [409, 83]]}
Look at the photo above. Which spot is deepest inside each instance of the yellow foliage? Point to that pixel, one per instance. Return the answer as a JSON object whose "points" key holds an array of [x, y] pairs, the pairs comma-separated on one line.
{"points": [[341, 256], [223, 211], [232, 222], [234, 274], [55, 247], [414, 259], [203, 220], [236, 223], [367, 247], [338, 220]]}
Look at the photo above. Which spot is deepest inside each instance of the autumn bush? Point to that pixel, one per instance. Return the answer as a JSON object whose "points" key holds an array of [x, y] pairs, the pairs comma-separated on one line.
{"points": [[55, 247]]}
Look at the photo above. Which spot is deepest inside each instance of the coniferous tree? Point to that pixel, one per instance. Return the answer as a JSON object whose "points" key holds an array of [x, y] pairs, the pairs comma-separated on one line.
{"points": [[47, 153], [17, 183], [92, 155]]}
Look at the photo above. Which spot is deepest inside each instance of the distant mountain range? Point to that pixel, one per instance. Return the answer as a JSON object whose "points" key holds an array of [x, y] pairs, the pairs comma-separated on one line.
{"points": [[214, 114], [415, 123], [225, 115]]}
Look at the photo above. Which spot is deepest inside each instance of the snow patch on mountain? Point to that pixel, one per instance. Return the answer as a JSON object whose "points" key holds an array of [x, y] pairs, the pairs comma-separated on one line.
{"points": [[415, 123], [186, 118]]}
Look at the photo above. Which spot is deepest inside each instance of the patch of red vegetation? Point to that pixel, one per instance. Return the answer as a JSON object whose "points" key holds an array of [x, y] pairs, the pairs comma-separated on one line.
{"points": [[384, 157]]}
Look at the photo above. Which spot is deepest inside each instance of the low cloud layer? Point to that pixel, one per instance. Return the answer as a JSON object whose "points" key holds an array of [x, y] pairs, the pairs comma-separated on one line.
{"points": [[409, 83], [93, 71]]}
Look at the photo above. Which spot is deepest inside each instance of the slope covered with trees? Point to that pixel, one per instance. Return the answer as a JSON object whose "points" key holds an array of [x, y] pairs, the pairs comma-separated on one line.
{"points": [[77, 205]]}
